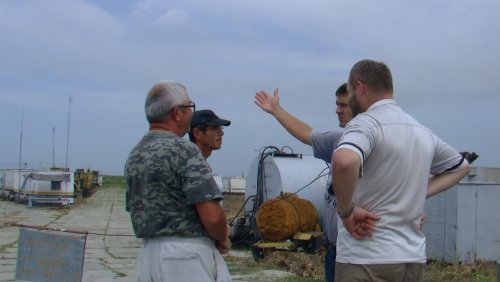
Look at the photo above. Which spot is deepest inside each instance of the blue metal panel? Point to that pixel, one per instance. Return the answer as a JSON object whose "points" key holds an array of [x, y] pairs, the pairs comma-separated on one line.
{"points": [[49, 256]]}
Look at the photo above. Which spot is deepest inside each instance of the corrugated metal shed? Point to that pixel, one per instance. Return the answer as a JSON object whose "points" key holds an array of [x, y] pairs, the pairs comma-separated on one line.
{"points": [[463, 223]]}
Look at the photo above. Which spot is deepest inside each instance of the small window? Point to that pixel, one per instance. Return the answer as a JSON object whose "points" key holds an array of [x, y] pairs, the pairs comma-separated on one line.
{"points": [[55, 186]]}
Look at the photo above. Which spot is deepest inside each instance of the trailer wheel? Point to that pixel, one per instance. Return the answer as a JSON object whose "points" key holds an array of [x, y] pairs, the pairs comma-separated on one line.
{"points": [[258, 253]]}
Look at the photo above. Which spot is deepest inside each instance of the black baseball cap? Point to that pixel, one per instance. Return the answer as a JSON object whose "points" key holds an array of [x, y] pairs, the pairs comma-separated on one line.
{"points": [[207, 117]]}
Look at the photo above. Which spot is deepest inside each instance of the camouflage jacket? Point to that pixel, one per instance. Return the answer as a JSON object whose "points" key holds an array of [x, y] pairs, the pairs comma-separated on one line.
{"points": [[166, 175]]}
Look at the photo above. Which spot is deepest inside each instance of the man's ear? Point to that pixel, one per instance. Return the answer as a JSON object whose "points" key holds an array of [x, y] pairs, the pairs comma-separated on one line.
{"points": [[176, 113], [362, 86], [196, 133]]}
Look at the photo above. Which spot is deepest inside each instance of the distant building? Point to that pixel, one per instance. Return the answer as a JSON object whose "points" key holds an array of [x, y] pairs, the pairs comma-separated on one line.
{"points": [[234, 184], [34, 186]]}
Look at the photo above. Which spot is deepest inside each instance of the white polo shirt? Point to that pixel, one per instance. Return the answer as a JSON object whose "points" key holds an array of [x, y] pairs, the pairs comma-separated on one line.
{"points": [[398, 154]]}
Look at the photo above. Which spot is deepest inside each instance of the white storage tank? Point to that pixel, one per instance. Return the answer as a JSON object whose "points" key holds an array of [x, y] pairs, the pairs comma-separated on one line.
{"points": [[292, 173]]}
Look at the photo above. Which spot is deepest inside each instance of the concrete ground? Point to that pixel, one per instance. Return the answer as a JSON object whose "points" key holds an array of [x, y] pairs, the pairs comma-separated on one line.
{"points": [[107, 257], [111, 248]]}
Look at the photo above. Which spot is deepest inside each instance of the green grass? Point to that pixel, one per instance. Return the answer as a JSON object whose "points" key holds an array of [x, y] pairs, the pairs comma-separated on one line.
{"points": [[309, 268], [299, 279], [113, 181], [480, 271]]}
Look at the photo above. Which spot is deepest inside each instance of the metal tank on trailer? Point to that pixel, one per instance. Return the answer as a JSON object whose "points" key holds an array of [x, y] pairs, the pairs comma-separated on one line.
{"points": [[274, 173], [280, 172]]}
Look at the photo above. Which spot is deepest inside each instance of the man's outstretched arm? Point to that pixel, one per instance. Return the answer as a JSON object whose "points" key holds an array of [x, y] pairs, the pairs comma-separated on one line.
{"points": [[296, 127]]}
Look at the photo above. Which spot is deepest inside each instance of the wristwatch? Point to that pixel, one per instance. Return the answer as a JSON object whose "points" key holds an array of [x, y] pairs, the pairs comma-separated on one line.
{"points": [[347, 213]]}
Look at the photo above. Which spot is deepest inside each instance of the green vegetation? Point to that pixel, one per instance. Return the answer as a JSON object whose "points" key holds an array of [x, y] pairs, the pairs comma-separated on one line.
{"points": [[478, 271], [309, 268], [113, 181], [299, 279]]}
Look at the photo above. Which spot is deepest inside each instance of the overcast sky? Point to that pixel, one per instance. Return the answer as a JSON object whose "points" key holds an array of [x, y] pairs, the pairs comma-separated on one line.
{"points": [[106, 55]]}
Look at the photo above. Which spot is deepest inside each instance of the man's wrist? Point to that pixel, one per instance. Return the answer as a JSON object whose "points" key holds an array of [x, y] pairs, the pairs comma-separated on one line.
{"points": [[347, 213]]}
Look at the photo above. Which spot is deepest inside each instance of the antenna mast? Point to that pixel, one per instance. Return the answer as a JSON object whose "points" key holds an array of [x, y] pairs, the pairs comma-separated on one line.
{"points": [[53, 146], [67, 137], [21, 146]]}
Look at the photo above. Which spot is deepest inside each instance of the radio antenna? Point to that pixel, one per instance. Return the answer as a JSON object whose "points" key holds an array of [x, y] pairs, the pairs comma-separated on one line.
{"points": [[67, 136]]}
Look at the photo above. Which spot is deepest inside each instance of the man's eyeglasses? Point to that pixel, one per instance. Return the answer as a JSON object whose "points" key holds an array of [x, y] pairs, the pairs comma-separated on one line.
{"points": [[190, 105]]}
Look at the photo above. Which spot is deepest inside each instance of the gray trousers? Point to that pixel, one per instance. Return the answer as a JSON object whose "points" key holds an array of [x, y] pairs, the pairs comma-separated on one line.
{"points": [[181, 259]]}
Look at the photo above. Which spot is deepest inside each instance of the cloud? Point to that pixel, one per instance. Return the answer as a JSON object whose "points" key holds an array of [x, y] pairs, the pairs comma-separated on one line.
{"points": [[107, 54], [172, 18]]}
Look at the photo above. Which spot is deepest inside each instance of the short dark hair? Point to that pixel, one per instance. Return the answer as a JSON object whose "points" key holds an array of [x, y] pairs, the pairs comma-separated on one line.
{"points": [[204, 118], [201, 127], [342, 90], [376, 75]]}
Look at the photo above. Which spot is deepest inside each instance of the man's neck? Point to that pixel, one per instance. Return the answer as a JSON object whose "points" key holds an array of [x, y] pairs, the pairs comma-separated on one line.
{"points": [[205, 151], [378, 97], [159, 126]]}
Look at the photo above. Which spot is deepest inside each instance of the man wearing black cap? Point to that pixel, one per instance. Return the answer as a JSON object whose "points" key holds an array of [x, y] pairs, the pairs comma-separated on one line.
{"points": [[206, 131]]}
